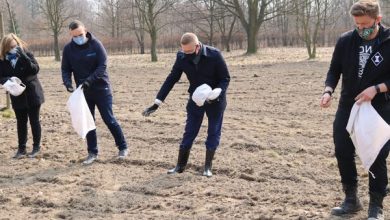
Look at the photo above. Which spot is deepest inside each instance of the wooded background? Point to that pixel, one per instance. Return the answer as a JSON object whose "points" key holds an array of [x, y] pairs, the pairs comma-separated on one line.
{"points": [[155, 26]]}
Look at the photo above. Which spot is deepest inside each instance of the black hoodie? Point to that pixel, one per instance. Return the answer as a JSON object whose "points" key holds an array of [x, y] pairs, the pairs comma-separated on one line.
{"points": [[345, 62]]}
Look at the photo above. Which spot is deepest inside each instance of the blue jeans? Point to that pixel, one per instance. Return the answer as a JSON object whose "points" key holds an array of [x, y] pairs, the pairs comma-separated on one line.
{"points": [[194, 121], [103, 101]]}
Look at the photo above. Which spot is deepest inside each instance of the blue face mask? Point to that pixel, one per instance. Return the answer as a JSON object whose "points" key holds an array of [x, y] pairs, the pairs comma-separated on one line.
{"points": [[79, 40]]}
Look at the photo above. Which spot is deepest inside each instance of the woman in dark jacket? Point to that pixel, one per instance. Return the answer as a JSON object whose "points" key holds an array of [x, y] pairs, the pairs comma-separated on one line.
{"points": [[16, 61]]}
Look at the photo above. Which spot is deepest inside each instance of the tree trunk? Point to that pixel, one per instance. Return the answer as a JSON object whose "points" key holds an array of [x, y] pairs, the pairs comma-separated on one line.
{"points": [[7, 97], [142, 42], [229, 37], [313, 52], [252, 41], [142, 48], [211, 40], [223, 42], [56, 48], [11, 17], [112, 28], [153, 50], [118, 24]]}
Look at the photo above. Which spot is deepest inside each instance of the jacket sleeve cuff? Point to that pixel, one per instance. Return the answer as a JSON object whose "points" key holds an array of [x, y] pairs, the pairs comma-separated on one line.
{"points": [[157, 102]]}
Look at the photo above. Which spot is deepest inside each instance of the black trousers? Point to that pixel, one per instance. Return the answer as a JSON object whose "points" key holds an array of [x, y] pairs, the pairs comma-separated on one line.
{"points": [[345, 154], [22, 117]]}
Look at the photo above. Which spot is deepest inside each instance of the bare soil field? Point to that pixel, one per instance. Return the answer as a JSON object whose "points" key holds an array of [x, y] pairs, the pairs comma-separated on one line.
{"points": [[275, 160]]}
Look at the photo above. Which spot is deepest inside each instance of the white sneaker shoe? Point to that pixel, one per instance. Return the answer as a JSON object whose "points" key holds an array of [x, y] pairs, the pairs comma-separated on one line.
{"points": [[122, 154]]}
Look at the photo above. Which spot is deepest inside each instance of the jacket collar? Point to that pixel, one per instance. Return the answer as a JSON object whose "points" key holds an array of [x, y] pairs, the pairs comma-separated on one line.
{"points": [[203, 49]]}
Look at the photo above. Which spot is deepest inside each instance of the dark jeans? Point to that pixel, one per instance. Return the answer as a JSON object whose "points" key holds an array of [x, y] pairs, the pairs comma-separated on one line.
{"points": [[22, 117], [103, 101], [345, 154], [195, 116]]}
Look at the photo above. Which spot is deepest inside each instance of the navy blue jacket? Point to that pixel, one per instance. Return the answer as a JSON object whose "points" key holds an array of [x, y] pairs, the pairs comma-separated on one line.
{"points": [[211, 70], [26, 69], [345, 62], [86, 62]]}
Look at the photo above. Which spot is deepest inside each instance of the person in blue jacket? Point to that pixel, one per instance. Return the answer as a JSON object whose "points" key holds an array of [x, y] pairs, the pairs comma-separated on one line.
{"points": [[203, 65], [86, 58]]}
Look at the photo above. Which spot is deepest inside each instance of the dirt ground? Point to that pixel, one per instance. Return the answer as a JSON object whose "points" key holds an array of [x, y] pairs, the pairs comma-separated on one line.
{"points": [[275, 160]]}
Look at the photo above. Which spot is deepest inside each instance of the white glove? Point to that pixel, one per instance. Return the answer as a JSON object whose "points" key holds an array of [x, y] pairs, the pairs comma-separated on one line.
{"points": [[214, 94]]}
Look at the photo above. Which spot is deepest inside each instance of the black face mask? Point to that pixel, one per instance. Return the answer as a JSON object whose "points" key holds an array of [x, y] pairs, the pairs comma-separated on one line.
{"points": [[190, 56]]}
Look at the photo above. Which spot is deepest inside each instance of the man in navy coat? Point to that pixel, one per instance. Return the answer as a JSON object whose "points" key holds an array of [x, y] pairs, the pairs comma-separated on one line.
{"points": [[86, 58], [202, 64]]}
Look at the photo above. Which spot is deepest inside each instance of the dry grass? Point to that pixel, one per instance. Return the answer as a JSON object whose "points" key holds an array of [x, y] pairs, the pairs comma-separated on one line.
{"points": [[237, 57]]}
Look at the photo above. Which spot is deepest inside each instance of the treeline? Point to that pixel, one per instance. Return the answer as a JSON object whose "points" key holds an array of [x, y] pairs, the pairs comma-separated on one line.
{"points": [[155, 26]]}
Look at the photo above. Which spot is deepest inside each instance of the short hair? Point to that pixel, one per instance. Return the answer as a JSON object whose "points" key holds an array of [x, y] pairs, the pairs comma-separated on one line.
{"points": [[188, 38], [370, 8], [75, 24]]}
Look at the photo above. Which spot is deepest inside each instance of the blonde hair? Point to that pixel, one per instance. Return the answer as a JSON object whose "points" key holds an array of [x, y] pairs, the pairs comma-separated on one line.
{"points": [[370, 8], [6, 44], [188, 38]]}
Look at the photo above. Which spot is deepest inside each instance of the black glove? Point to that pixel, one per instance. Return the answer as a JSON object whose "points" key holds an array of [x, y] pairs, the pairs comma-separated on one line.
{"points": [[21, 53], [150, 110], [86, 85], [70, 89]]}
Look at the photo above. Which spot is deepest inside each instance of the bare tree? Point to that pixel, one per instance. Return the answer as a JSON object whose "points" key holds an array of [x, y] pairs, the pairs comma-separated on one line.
{"points": [[33, 8], [111, 11], [136, 23], [282, 21], [151, 10], [201, 14], [56, 14], [252, 14], [310, 14], [12, 18], [226, 22], [269, 21]]}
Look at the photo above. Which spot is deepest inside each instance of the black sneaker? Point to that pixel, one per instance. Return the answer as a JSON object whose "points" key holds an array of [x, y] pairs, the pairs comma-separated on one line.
{"points": [[123, 153], [20, 154], [34, 153], [90, 159]]}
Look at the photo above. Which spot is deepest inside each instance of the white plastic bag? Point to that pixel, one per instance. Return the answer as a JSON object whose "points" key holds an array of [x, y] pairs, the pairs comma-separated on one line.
{"points": [[214, 94], [200, 94], [82, 119], [14, 86], [203, 93], [368, 131]]}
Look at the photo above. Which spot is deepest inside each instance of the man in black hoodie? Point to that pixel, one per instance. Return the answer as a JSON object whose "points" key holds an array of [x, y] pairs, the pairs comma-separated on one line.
{"points": [[362, 57], [86, 58]]}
